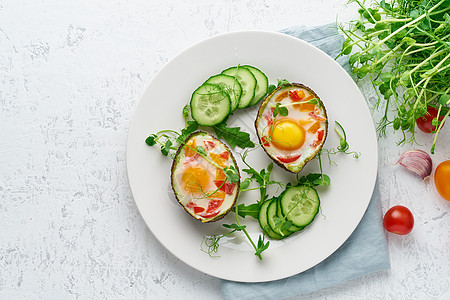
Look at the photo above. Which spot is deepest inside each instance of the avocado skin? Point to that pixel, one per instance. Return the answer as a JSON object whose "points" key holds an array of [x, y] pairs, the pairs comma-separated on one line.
{"points": [[266, 100], [172, 171]]}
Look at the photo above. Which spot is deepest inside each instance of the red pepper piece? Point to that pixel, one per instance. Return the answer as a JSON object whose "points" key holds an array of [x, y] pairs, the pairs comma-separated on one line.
{"points": [[225, 155], [296, 95], [213, 205], [269, 116], [317, 117], [265, 142], [211, 215], [226, 187], [198, 209], [288, 159], [192, 158], [229, 188], [218, 183], [209, 145], [320, 135]]}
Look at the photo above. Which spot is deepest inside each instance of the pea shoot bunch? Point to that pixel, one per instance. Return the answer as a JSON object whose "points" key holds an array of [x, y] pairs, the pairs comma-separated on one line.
{"points": [[403, 47]]}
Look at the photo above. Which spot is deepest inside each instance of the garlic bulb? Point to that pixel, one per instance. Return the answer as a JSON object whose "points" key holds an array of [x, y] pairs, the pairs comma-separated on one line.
{"points": [[417, 161]]}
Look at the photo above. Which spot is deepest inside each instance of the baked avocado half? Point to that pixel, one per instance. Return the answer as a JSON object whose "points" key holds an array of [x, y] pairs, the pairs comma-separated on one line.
{"points": [[292, 125], [198, 179]]}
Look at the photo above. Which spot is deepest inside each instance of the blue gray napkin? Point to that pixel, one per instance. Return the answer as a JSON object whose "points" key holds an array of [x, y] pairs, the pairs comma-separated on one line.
{"points": [[363, 253]]}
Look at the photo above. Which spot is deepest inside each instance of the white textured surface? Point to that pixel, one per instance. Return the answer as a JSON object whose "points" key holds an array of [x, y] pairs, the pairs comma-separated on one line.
{"points": [[71, 73]]}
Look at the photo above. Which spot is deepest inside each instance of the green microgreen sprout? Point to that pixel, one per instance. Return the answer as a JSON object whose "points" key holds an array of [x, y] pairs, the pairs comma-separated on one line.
{"points": [[166, 140], [279, 106], [343, 144], [262, 178], [170, 140], [403, 49], [212, 242]]}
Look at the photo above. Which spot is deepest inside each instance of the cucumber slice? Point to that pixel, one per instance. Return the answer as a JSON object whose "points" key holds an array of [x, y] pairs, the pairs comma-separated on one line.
{"points": [[210, 105], [300, 204], [247, 81], [280, 215], [230, 85], [262, 84], [263, 221], [272, 219]]}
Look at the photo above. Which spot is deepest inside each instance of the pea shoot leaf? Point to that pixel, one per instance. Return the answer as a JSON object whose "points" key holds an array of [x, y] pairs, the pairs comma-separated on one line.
{"points": [[232, 174], [186, 111], [201, 150], [245, 184], [283, 82], [283, 111], [185, 132], [151, 140], [444, 99], [166, 148]]}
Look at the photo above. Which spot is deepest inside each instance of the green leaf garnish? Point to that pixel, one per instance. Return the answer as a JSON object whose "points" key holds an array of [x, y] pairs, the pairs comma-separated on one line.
{"points": [[262, 246], [251, 210], [314, 179], [234, 226], [233, 136]]}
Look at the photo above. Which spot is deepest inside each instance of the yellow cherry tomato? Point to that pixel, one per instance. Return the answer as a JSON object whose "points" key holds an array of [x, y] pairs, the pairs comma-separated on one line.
{"points": [[442, 179]]}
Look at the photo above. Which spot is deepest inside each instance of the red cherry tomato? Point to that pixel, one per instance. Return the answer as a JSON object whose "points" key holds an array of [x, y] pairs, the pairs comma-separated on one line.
{"points": [[398, 220], [424, 122], [442, 179]]}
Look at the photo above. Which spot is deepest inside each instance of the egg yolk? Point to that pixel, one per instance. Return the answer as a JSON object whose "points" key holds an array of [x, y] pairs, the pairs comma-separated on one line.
{"points": [[287, 134], [195, 179]]}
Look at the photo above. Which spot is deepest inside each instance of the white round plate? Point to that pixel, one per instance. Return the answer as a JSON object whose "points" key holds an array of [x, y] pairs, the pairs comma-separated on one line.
{"points": [[343, 203]]}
